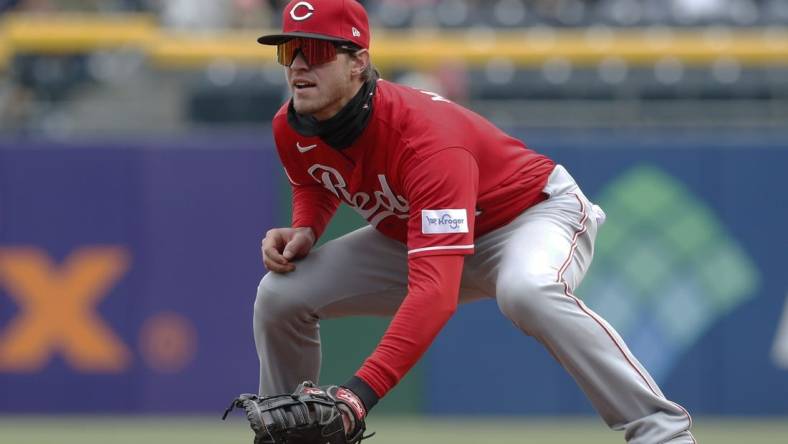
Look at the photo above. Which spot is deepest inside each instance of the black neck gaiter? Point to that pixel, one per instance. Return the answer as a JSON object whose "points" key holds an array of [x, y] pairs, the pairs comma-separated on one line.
{"points": [[345, 127]]}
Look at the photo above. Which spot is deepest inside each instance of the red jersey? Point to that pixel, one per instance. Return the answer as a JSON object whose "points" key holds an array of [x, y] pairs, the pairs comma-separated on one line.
{"points": [[425, 171], [428, 173]]}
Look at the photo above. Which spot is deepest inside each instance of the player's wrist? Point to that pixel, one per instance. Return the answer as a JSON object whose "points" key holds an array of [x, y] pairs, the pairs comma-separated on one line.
{"points": [[363, 391], [308, 231]]}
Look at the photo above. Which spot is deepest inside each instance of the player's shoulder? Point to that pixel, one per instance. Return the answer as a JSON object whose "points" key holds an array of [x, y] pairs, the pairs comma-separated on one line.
{"points": [[427, 121], [405, 95], [280, 118], [284, 135], [280, 125]]}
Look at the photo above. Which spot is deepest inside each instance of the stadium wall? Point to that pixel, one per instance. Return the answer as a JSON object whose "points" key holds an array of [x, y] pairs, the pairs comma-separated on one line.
{"points": [[128, 272]]}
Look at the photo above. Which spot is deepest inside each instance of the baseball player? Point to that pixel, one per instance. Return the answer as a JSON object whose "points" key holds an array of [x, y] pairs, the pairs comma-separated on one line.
{"points": [[457, 210]]}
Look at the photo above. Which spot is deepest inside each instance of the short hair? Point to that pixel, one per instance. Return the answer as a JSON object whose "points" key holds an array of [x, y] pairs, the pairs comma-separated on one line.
{"points": [[369, 73]]}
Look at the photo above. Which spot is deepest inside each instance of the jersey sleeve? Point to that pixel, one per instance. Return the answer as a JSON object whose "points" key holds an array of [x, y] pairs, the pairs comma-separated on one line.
{"points": [[313, 206], [433, 293], [442, 190]]}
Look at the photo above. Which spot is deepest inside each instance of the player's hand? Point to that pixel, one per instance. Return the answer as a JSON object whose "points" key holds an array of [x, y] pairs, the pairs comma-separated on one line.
{"points": [[281, 246], [351, 408]]}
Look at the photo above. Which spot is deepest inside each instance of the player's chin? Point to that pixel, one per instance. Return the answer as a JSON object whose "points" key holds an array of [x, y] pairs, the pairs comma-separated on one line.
{"points": [[304, 104]]}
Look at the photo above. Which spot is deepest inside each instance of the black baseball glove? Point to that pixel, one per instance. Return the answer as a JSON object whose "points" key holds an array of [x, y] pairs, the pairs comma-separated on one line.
{"points": [[310, 415]]}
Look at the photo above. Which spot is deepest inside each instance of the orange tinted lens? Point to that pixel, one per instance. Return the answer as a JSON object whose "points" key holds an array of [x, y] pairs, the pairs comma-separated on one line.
{"points": [[315, 52], [285, 52], [318, 52]]}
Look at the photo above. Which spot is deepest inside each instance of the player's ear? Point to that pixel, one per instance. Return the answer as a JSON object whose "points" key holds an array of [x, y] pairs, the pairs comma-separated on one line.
{"points": [[360, 61]]}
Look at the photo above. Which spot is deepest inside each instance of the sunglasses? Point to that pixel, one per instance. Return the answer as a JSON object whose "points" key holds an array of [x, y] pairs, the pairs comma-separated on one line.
{"points": [[315, 51]]}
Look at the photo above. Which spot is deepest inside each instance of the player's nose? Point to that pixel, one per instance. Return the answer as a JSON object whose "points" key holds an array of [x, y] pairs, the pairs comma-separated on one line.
{"points": [[299, 62]]}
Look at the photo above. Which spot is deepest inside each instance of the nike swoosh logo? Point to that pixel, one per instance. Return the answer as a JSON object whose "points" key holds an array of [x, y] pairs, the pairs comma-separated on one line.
{"points": [[305, 149]]}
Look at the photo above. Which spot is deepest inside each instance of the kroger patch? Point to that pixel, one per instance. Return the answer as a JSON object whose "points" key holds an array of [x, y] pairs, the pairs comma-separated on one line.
{"points": [[444, 221]]}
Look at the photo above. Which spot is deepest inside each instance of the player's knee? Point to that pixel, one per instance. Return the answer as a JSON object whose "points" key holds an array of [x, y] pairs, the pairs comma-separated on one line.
{"points": [[523, 299], [276, 305]]}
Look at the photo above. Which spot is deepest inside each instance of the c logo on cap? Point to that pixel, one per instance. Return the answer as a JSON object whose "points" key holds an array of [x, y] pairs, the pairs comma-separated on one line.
{"points": [[305, 16]]}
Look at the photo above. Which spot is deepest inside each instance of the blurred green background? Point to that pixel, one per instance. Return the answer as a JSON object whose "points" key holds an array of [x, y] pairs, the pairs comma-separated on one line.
{"points": [[389, 429]]}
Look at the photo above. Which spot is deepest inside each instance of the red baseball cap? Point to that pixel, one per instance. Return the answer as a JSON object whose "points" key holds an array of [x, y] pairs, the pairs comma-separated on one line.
{"points": [[335, 20]]}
